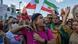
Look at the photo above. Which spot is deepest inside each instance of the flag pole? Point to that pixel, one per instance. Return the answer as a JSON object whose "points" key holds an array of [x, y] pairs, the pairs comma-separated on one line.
{"points": [[20, 5]]}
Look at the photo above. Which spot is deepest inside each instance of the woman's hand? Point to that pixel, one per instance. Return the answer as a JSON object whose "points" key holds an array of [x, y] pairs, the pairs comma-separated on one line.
{"points": [[67, 11], [37, 37]]}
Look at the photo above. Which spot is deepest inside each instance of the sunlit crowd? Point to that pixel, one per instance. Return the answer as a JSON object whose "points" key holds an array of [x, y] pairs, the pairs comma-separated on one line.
{"points": [[37, 29]]}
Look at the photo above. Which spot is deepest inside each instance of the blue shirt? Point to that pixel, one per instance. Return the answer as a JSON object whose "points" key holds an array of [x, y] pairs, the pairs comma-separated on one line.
{"points": [[10, 36], [1, 40]]}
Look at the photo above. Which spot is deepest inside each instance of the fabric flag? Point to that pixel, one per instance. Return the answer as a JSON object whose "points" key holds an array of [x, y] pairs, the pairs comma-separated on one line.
{"points": [[46, 9], [32, 5], [39, 6], [37, 1], [48, 3]]}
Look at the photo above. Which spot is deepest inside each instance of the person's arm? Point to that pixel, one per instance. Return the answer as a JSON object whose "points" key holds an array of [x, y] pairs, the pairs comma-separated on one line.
{"points": [[16, 29], [43, 41], [19, 28], [67, 11], [6, 40], [52, 38], [38, 38]]}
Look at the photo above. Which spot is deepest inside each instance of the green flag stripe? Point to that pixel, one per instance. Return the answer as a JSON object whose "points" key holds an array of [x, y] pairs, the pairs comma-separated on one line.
{"points": [[50, 4], [37, 1], [19, 0]]}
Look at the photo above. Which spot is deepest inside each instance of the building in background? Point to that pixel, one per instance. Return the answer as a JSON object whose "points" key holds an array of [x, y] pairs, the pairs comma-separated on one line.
{"points": [[1, 2], [3, 9], [12, 11], [6, 11]]}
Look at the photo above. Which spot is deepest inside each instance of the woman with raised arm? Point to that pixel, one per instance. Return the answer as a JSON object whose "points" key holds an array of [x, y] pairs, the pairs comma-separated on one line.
{"points": [[64, 29]]}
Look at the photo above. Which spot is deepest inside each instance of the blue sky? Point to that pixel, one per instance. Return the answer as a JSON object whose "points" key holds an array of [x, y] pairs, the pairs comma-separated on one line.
{"points": [[65, 3], [61, 5]]}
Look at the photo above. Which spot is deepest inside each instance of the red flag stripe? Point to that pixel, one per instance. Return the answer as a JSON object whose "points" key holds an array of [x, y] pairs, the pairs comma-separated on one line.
{"points": [[46, 9], [31, 6]]}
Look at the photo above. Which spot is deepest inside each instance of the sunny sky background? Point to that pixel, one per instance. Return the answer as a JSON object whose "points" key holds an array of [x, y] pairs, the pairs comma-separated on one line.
{"points": [[59, 3]]}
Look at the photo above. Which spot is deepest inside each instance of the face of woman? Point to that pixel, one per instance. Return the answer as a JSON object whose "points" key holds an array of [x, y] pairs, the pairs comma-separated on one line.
{"points": [[39, 20], [76, 16], [49, 19], [75, 26], [55, 19], [75, 13]]}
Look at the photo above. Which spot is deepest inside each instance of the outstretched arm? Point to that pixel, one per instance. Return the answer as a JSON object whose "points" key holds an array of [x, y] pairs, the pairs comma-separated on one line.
{"points": [[67, 11]]}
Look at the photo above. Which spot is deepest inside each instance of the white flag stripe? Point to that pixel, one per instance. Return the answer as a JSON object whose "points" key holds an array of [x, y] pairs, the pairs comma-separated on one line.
{"points": [[38, 7]]}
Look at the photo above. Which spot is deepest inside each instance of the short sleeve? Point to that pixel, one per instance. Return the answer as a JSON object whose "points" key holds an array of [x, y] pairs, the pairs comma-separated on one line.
{"points": [[9, 35]]}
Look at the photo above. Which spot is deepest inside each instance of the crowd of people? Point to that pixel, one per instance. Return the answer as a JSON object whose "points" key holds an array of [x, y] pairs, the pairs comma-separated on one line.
{"points": [[40, 30]]}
